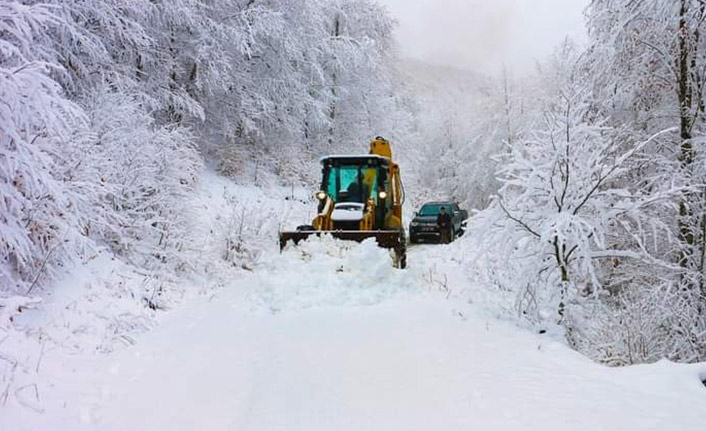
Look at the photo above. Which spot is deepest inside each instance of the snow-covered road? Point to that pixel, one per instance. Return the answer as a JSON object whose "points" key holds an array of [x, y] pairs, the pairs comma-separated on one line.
{"points": [[310, 344], [405, 365]]}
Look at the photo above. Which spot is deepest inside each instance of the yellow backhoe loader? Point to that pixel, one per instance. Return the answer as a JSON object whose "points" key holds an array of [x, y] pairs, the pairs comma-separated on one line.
{"points": [[361, 197]]}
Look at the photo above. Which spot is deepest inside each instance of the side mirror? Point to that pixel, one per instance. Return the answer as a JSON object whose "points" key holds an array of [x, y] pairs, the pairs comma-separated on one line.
{"points": [[416, 213]]}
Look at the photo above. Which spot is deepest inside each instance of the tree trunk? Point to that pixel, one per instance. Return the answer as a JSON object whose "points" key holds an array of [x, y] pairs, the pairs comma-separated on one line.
{"points": [[334, 84], [686, 122], [508, 109], [560, 256]]}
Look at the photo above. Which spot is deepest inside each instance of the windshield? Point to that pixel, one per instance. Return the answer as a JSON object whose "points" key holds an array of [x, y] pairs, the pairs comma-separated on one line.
{"points": [[352, 183], [432, 209]]}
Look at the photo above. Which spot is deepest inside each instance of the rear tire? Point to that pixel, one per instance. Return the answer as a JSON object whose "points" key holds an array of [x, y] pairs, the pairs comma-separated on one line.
{"points": [[400, 258], [400, 252]]}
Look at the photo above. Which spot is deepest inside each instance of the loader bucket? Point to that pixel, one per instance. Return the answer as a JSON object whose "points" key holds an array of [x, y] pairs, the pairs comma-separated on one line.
{"points": [[390, 239]]}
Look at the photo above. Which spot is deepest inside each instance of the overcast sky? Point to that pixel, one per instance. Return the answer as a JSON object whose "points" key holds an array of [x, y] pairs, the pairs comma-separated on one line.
{"points": [[483, 35]]}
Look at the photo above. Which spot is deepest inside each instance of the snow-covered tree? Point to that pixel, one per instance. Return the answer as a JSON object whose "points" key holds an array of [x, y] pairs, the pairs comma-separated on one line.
{"points": [[137, 175], [570, 212], [647, 61], [37, 121], [104, 103]]}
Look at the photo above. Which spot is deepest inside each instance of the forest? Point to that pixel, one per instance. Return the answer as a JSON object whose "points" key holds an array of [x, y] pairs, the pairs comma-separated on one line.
{"points": [[586, 176]]}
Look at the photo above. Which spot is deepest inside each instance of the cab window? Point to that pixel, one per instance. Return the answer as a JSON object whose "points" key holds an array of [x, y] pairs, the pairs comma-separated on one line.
{"points": [[352, 183]]}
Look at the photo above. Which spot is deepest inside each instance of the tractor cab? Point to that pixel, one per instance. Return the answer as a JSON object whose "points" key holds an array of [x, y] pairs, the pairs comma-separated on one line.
{"points": [[355, 185]]}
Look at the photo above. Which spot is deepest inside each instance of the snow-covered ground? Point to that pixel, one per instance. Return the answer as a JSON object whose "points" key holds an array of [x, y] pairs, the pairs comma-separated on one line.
{"points": [[328, 336]]}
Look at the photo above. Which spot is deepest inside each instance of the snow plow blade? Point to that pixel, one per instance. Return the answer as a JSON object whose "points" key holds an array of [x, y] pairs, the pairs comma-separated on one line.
{"points": [[394, 240]]}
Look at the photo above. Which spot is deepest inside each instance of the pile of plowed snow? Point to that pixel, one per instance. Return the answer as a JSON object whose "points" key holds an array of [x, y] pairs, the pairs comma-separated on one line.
{"points": [[329, 272]]}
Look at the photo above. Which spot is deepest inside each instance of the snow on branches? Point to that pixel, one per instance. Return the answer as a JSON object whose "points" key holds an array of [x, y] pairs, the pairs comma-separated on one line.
{"points": [[601, 209], [36, 120], [106, 103]]}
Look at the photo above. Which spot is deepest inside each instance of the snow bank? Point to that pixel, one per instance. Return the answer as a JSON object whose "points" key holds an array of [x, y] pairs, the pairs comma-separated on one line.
{"points": [[324, 271], [13, 305], [104, 304]]}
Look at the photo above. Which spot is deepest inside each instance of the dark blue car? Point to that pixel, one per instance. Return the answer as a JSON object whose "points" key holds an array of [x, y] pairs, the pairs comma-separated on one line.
{"points": [[423, 227]]}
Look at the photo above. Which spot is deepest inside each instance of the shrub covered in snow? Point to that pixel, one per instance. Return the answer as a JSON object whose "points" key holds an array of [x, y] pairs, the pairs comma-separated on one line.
{"points": [[38, 215]]}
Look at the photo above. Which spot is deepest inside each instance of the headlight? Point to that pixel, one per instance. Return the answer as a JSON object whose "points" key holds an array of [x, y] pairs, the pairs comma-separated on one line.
{"points": [[414, 224], [382, 195], [321, 195]]}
